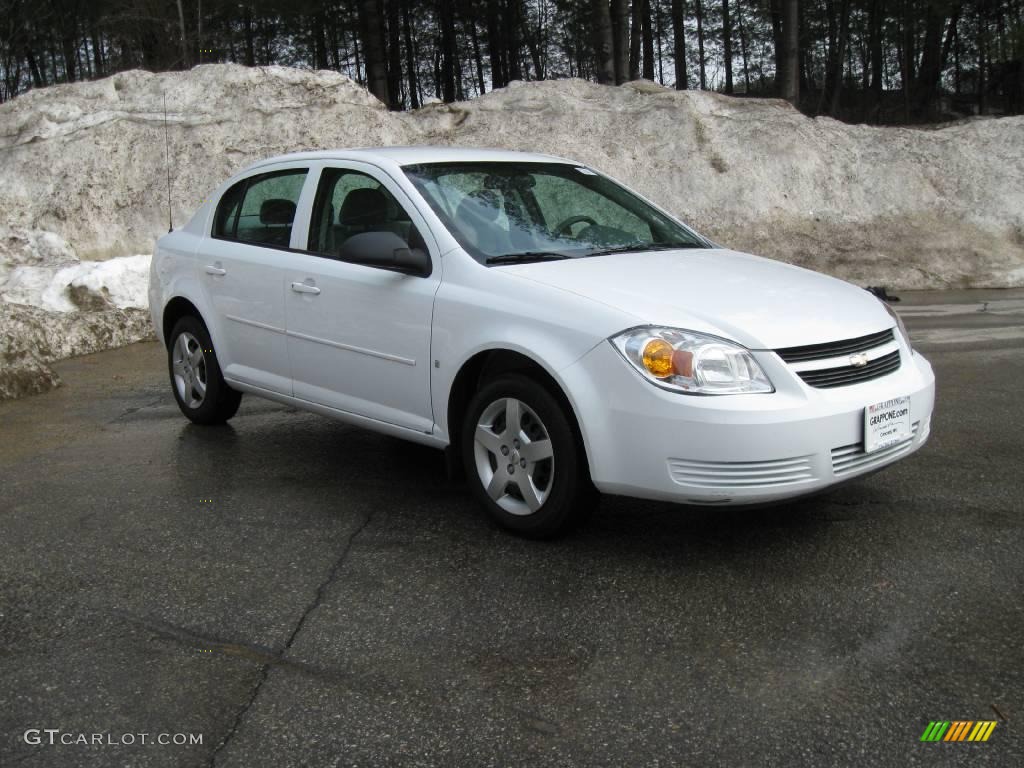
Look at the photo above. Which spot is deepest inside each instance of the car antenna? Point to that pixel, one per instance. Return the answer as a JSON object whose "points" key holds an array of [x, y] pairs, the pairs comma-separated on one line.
{"points": [[167, 159]]}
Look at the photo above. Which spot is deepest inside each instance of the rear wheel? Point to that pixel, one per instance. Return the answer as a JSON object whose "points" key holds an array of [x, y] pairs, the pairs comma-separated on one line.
{"points": [[523, 461], [199, 388]]}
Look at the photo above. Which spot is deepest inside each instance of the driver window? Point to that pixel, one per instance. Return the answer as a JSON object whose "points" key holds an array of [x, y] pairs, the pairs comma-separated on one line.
{"points": [[349, 203]]}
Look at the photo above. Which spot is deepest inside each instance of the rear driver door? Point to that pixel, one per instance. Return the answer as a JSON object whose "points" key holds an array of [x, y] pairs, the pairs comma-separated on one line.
{"points": [[241, 268]]}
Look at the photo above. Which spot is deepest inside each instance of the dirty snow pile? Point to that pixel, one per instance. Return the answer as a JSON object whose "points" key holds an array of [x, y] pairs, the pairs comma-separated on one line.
{"points": [[54, 306], [900, 207]]}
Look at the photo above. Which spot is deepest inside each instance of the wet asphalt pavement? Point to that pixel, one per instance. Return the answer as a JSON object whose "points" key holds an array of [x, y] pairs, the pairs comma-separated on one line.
{"points": [[300, 592]]}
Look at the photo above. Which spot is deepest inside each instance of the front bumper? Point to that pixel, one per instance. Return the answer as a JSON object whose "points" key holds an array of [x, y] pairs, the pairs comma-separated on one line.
{"points": [[649, 443]]}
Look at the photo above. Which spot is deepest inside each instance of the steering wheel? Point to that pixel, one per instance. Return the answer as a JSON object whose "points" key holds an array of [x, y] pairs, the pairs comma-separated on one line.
{"points": [[564, 228]]}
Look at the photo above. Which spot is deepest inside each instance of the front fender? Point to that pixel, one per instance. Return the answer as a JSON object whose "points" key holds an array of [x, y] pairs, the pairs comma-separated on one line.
{"points": [[478, 309]]}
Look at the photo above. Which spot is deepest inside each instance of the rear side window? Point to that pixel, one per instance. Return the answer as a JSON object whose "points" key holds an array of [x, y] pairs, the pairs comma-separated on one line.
{"points": [[261, 209]]}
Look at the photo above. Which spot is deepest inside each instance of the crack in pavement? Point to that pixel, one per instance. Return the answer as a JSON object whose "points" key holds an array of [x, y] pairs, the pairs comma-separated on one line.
{"points": [[251, 651], [129, 411], [278, 657]]}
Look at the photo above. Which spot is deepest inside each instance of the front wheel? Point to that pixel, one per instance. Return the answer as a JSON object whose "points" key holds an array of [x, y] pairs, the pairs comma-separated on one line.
{"points": [[523, 460], [199, 388]]}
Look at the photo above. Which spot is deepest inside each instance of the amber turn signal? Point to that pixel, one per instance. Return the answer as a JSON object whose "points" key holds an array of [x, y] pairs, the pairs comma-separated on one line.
{"points": [[657, 357]]}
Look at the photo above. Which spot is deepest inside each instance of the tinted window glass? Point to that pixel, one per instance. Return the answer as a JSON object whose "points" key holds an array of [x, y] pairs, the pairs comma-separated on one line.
{"points": [[349, 203], [227, 211], [261, 209], [508, 209]]}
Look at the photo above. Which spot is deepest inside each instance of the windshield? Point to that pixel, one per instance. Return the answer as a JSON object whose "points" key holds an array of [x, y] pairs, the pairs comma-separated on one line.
{"points": [[503, 212]]}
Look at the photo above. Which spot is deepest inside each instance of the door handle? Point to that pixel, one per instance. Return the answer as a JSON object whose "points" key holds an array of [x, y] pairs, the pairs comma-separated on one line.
{"points": [[305, 288], [213, 269]]}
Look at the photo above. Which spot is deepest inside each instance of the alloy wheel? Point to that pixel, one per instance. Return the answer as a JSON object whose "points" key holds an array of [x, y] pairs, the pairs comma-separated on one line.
{"points": [[514, 457], [189, 368]]}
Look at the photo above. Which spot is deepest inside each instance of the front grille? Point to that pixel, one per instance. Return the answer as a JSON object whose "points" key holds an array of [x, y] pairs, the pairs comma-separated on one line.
{"points": [[849, 459], [826, 378], [834, 348], [740, 474]]}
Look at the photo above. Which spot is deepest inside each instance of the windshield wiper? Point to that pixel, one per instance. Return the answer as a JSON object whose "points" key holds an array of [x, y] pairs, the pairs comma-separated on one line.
{"points": [[526, 257], [643, 247]]}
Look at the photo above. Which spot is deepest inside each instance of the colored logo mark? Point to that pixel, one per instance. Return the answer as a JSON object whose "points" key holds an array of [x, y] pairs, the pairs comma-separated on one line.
{"points": [[958, 730]]}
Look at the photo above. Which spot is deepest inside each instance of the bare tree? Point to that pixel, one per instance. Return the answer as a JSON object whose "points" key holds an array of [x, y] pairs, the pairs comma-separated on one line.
{"points": [[373, 48], [620, 33], [679, 42], [791, 52], [700, 43], [647, 36], [727, 45], [604, 58], [184, 41]]}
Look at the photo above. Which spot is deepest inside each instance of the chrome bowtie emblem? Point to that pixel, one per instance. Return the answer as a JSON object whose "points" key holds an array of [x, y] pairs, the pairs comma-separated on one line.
{"points": [[859, 360]]}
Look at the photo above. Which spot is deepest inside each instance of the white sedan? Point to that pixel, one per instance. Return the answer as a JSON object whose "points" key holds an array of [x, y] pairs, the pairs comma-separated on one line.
{"points": [[553, 331]]}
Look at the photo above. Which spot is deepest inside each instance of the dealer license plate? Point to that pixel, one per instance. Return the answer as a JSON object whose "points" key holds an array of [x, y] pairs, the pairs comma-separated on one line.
{"points": [[886, 423]]}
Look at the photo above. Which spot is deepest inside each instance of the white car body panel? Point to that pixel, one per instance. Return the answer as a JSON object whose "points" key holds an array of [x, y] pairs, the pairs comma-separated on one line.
{"points": [[761, 303], [347, 346], [244, 285], [383, 350]]}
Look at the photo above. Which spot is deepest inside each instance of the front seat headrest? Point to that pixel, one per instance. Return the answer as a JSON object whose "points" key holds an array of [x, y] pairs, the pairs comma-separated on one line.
{"points": [[277, 211], [364, 206]]}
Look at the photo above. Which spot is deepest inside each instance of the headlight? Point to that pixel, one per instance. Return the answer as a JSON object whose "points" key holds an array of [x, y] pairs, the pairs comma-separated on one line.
{"points": [[899, 322], [692, 363]]}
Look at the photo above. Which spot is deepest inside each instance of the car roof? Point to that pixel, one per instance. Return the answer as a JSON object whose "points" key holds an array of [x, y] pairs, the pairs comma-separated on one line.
{"points": [[416, 155]]}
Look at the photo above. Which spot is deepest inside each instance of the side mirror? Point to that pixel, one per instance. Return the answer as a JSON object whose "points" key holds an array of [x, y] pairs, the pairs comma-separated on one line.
{"points": [[388, 250]]}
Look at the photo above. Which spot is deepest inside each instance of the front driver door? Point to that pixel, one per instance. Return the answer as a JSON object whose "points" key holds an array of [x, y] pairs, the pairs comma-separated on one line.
{"points": [[359, 336]]}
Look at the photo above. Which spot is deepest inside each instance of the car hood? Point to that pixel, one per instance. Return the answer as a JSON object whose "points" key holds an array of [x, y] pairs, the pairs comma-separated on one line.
{"points": [[761, 303]]}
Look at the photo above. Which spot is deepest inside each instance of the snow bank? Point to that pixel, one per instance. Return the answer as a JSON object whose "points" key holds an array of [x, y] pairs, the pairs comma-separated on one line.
{"points": [[84, 164], [54, 306], [80, 285], [30, 338], [87, 160], [904, 207], [901, 207]]}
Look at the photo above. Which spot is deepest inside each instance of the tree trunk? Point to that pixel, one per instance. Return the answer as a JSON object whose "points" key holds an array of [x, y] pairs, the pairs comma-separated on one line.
{"points": [[933, 56], [982, 60], [647, 35], [448, 54], [184, 41], [727, 45], [97, 51], [512, 22], [250, 48], [743, 47], [700, 43], [477, 57], [779, 44], [791, 52], [875, 52], [679, 43], [38, 80], [410, 60], [394, 56], [604, 54], [495, 45], [836, 84], [636, 12], [620, 40], [658, 38], [373, 48]]}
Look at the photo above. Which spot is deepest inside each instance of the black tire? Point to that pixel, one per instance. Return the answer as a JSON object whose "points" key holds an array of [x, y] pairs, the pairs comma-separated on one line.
{"points": [[564, 478], [219, 402]]}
